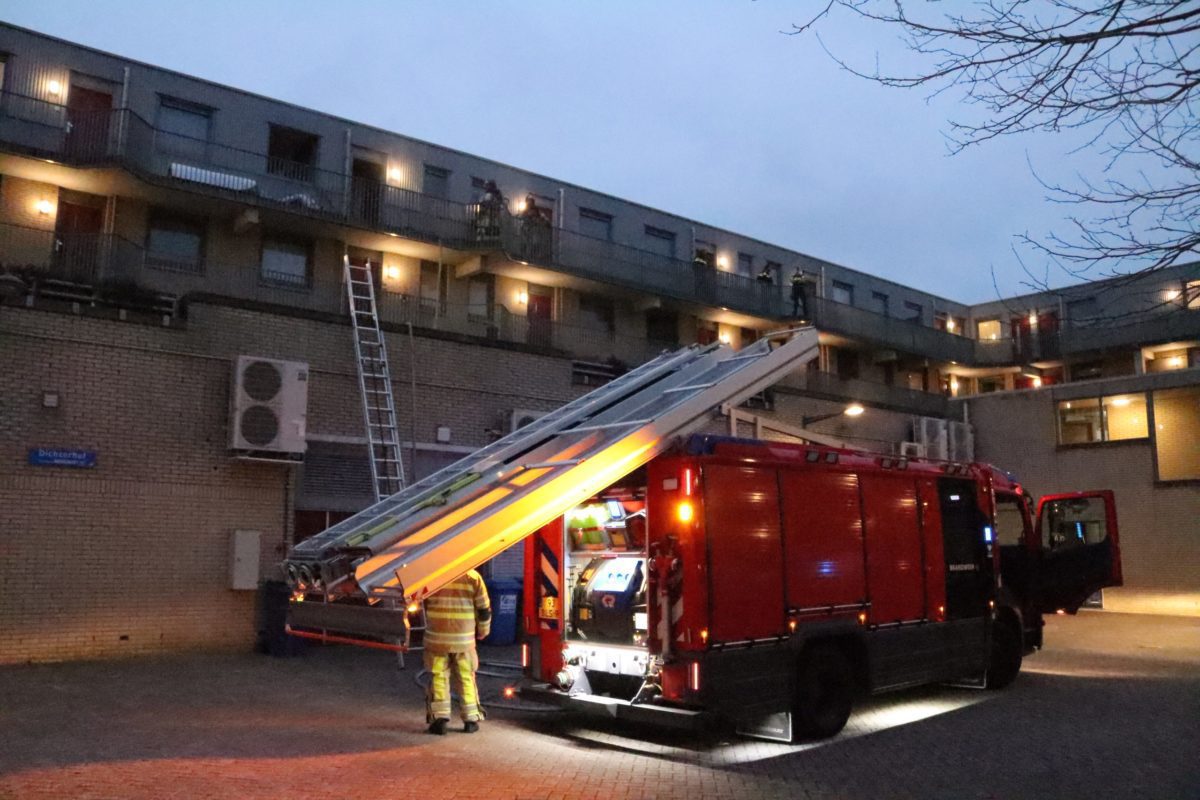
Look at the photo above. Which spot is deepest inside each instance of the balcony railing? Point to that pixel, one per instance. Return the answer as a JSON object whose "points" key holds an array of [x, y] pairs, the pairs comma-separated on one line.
{"points": [[832, 386], [120, 137]]}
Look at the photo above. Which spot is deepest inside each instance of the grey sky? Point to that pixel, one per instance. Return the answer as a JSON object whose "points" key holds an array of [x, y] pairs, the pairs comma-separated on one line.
{"points": [[699, 108]]}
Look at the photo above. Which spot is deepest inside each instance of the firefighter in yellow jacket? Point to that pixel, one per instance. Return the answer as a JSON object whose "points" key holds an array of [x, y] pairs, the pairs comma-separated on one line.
{"points": [[455, 616]]}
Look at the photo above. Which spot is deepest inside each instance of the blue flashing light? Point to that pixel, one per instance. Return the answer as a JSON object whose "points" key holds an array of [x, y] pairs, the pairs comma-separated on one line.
{"points": [[987, 534]]}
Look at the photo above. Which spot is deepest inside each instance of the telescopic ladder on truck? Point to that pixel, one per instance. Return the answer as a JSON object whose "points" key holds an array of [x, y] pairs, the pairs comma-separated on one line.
{"points": [[374, 382], [411, 544]]}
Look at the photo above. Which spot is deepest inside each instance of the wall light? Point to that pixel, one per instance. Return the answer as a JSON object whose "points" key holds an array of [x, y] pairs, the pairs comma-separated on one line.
{"points": [[1172, 295], [1175, 361], [724, 337], [521, 206], [395, 174], [522, 297], [391, 272], [723, 262], [954, 384], [1037, 382], [44, 207], [949, 324], [54, 88], [1033, 319]]}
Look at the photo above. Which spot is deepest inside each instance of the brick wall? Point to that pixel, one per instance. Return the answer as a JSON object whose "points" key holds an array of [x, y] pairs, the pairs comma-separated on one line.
{"points": [[132, 556]]}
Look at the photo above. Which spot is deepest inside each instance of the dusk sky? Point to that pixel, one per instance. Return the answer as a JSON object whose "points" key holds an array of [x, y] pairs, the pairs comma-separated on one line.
{"points": [[703, 109]]}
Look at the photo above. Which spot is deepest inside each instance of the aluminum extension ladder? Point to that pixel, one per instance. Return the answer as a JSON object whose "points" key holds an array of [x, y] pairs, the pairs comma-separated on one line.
{"points": [[411, 544], [374, 382]]}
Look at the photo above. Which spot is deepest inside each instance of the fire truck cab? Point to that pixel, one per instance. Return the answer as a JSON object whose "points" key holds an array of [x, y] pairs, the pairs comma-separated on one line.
{"points": [[766, 584]]}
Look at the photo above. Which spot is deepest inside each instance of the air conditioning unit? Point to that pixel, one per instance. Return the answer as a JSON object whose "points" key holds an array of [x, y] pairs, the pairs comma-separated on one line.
{"points": [[961, 441], [912, 450], [931, 434], [267, 409], [523, 416]]}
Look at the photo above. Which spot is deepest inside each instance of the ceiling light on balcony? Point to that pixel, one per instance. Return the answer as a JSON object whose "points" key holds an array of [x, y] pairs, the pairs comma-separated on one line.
{"points": [[854, 410], [54, 88], [1121, 402], [44, 207]]}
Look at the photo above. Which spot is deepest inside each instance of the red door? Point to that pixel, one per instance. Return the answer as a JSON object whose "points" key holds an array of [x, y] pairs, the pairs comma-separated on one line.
{"points": [[88, 112], [539, 319], [77, 242]]}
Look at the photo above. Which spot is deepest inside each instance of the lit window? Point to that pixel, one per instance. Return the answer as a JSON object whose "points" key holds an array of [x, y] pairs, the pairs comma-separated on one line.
{"points": [[1109, 419], [1125, 417], [1193, 295], [989, 329], [1176, 432]]}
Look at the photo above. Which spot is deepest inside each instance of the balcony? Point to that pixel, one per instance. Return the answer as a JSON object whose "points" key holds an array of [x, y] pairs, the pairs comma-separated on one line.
{"points": [[120, 138], [897, 398], [105, 270], [904, 335]]}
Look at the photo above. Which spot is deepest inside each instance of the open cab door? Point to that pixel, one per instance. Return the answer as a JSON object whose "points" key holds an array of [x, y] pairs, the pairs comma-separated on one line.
{"points": [[1080, 550]]}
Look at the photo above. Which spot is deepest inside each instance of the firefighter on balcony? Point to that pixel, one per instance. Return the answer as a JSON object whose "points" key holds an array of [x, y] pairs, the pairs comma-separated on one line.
{"points": [[799, 303], [455, 616]]}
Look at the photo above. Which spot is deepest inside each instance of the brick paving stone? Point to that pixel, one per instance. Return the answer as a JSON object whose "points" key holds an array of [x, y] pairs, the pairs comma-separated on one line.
{"points": [[1108, 711]]}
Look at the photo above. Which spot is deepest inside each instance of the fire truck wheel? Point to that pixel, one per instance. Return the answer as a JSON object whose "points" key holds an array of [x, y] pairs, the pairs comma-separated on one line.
{"points": [[1005, 660], [824, 692]]}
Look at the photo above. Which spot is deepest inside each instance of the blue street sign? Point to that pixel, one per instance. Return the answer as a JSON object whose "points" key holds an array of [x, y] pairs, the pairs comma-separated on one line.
{"points": [[61, 457]]}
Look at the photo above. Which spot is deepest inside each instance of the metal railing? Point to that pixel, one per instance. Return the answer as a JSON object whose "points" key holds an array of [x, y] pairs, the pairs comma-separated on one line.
{"points": [[831, 385]]}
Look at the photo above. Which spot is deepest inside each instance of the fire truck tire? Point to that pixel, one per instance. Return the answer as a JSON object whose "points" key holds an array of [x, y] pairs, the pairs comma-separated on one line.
{"points": [[1005, 661], [824, 692]]}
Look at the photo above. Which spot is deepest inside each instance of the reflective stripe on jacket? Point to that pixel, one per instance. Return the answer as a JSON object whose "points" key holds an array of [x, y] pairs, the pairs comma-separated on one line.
{"points": [[456, 613]]}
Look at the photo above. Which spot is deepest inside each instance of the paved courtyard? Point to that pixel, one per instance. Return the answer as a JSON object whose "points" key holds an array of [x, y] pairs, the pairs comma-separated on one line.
{"points": [[1109, 710]]}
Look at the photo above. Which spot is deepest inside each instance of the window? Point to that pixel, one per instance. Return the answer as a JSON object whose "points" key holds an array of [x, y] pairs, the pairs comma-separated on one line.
{"points": [[660, 241], [989, 329], [595, 224], [1010, 522], [175, 243], [183, 127], [597, 312], [1176, 433], [842, 293], [992, 383], [285, 261], [437, 182], [705, 255], [3, 62], [1074, 522], [745, 265], [775, 270], [478, 183], [435, 283], [1107, 419], [479, 297], [879, 303], [1191, 293], [291, 153], [913, 311]]}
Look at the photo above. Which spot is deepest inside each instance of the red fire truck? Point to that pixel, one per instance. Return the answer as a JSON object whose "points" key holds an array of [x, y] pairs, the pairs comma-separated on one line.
{"points": [[768, 583]]}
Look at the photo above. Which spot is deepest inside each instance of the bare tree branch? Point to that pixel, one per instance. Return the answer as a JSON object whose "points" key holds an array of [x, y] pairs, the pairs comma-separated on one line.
{"points": [[1126, 70]]}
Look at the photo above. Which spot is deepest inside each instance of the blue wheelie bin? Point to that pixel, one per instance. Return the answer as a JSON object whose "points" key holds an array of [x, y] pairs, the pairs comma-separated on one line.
{"points": [[505, 594]]}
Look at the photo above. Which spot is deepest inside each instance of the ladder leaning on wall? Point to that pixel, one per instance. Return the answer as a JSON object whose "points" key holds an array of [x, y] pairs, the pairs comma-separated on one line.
{"points": [[375, 388], [374, 382]]}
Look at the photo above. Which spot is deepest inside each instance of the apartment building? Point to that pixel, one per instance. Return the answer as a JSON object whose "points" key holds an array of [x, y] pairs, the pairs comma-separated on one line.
{"points": [[155, 226]]}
